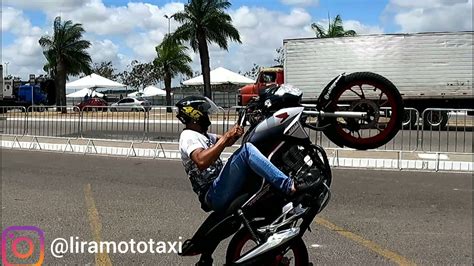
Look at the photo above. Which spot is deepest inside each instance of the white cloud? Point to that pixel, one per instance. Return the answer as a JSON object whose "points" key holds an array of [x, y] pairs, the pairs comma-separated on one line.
{"points": [[25, 56], [139, 27], [300, 2], [60, 5], [143, 44], [362, 29], [297, 18], [431, 15], [261, 31], [244, 18], [14, 21], [103, 20], [105, 50], [425, 3]]}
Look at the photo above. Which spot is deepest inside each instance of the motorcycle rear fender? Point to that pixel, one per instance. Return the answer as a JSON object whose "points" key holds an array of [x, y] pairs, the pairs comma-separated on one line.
{"points": [[325, 96]]}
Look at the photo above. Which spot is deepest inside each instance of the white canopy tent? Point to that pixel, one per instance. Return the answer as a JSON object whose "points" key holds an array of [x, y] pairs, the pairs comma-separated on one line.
{"points": [[82, 93], [149, 91], [94, 81], [220, 76]]}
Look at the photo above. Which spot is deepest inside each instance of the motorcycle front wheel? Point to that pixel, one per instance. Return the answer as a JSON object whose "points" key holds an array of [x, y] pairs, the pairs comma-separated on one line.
{"points": [[242, 242], [369, 93]]}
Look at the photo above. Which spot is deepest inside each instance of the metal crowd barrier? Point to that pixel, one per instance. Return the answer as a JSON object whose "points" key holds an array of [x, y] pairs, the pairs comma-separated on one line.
{"points": [[159, 124], [162, 124], [113, 122], [447, 130], [50, 121], [13, 120]]}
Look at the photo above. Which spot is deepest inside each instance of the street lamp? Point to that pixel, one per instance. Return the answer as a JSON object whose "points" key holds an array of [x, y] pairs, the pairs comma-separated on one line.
{"points": [[169, 21], [6, 68]]}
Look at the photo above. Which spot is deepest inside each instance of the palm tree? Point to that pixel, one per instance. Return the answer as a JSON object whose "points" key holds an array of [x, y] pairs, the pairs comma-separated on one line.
{"points": [[204, 22], [66, 54], [171, 59], [335, 29]]}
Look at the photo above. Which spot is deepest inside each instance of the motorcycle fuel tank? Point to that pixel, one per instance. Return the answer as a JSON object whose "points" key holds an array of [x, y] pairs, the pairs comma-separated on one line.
{"points": [[270, 132]]}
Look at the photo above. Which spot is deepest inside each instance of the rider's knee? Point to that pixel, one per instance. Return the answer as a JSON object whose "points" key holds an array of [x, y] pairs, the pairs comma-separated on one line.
{"points": [[248, 146]]}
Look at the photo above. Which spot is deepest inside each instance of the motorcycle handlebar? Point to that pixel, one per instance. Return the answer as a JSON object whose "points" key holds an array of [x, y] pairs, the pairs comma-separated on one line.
{"points": [[242, 116]]}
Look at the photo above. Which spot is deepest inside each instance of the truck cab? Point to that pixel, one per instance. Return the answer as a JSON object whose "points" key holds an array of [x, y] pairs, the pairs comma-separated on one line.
{"points": [[266, 77], [32, 94]]}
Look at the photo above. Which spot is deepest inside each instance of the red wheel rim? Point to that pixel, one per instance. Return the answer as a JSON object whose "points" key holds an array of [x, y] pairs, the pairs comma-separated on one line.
{"points": [[385, 132], [240, 246]]}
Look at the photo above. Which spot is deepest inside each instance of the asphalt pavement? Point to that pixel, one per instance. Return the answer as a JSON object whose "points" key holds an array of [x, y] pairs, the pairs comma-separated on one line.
{"points": [[374, 218]]}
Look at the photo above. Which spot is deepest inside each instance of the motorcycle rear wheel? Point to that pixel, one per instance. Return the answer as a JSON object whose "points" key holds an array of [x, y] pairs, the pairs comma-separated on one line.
{"points": [[243, 237], [364, 92]]}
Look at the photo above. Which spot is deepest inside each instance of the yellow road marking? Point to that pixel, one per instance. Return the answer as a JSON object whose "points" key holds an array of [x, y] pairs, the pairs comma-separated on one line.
{"points": [[101, 259], [400, 260]]}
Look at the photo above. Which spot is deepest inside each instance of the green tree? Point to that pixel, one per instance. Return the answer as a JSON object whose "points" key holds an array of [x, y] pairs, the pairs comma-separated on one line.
{"points": [[66, 54], [204, 22], [171, 60], [105, 69], [140, 75], [335, 29], [280, 59], [253, 72], [50, 66]]}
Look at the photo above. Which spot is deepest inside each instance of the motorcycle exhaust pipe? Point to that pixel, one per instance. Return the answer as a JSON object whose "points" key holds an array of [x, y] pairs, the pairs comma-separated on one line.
{"points": [[274, 241]]}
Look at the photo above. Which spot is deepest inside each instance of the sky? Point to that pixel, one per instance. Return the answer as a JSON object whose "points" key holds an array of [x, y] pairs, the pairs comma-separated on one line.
{"points": [[123, 30]]}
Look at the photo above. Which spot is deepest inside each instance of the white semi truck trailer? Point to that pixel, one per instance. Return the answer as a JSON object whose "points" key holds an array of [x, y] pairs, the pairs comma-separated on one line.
{"points": [[431, 70]]}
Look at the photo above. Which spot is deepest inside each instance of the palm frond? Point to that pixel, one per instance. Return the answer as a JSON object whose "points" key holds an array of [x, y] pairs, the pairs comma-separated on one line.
{"points": [[66, 45], [319, 30], [335, 29]]}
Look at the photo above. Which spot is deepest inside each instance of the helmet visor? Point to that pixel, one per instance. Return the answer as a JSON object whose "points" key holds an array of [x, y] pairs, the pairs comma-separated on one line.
{"points": [[210, 107]]}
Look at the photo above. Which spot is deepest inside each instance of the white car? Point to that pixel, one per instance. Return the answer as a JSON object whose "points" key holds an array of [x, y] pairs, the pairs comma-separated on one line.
{"points": [[131, 104]]}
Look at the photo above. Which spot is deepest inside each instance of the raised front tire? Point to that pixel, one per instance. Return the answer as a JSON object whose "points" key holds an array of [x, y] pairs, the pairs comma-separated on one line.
{"points": [[373, 95], [242, 242]]}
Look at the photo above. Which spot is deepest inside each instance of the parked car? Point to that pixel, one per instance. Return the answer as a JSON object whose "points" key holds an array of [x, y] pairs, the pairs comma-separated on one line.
{"points": [[93, 104], [131, 104]]}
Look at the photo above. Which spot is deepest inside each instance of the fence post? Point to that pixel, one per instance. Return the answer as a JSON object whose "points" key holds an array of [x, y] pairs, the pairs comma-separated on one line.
{"points": [[437, 162], [400, 160], [80, 123], [25, 131]]}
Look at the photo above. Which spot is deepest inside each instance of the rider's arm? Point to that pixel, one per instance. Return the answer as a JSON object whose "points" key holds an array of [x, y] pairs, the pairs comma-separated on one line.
{"points": [[203, 158]]}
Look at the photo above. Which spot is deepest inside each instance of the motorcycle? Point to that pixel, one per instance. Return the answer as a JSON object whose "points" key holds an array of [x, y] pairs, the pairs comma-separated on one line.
{"points": [[361, 110]]}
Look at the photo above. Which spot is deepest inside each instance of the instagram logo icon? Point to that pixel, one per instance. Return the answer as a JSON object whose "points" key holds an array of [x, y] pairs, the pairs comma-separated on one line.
{"points": [[19, 245]]}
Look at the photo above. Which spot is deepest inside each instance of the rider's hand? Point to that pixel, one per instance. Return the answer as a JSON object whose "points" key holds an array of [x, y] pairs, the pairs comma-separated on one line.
{"points": [[233, 135]]}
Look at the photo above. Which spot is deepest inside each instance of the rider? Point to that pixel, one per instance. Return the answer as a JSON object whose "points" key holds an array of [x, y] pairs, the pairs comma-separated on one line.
{"points": [[215, 184]]}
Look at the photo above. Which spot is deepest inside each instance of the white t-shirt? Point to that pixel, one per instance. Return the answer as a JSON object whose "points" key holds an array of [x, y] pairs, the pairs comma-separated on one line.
{"points": [[189, 141]]}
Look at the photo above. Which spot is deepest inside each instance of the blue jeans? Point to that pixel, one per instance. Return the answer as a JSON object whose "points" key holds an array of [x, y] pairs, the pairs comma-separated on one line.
{"points": [[230, 181]]}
